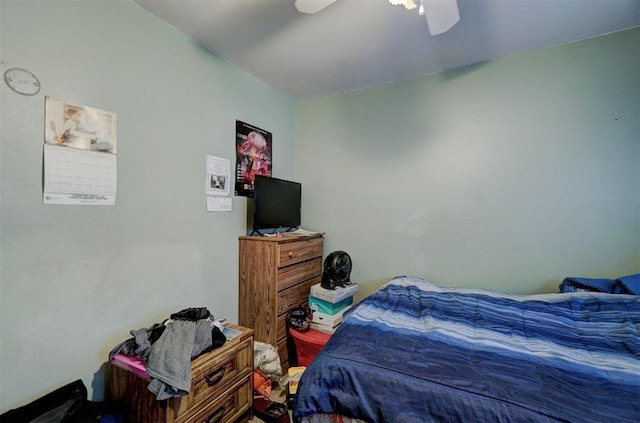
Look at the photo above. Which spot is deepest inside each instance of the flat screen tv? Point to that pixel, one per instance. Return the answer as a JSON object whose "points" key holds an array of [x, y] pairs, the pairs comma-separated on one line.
{"points": [[276, 204]]}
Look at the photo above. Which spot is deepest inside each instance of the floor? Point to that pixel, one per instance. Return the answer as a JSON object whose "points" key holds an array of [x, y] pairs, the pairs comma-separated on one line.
{"points": [[278, 394]]}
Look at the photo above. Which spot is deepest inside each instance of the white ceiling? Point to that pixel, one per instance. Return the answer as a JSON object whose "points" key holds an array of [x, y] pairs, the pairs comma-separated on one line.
{"points": [[355, 44]]}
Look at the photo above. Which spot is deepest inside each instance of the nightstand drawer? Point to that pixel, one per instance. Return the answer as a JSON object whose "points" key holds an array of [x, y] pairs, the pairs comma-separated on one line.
{"points": [[297, 251], [211, 377], [221, 386], [228, 407]]}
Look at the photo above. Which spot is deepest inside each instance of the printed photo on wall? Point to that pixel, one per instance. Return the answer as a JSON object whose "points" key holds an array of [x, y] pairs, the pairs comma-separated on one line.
{"points": [[81, 127], [253, 156]]}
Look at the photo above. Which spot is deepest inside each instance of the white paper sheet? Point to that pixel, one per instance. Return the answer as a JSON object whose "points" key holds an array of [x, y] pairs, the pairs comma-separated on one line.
{"points": [[74, 176], [218, 174], [218, 204]]}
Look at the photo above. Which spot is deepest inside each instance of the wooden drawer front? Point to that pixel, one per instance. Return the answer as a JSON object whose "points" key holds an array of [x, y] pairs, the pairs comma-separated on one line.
{"points": [[291, 275], [297, 251], [285, 366], [212, 377], [281, 331], [132, 391], [283, 352], [235, 402], [296, 295]]}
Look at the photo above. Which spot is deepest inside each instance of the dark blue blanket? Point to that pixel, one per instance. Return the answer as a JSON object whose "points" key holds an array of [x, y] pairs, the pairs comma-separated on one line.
{"points": [[416, 352], [623, 285]]}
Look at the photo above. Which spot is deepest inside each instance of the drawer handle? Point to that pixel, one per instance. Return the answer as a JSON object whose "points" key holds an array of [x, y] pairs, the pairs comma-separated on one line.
{"points": [[214, 418], [290, 254], [216, 376]]}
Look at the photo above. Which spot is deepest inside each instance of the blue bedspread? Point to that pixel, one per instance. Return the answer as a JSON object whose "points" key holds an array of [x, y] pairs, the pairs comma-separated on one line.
{"points": [[416, 352]]}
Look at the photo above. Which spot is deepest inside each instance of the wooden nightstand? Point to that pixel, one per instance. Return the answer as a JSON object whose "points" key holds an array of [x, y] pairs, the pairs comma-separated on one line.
{"points": [[276, 275], [221, 388]]}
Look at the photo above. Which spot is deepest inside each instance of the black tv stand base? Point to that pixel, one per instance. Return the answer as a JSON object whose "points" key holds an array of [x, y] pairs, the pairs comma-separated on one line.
{"points": [[257, 231]]}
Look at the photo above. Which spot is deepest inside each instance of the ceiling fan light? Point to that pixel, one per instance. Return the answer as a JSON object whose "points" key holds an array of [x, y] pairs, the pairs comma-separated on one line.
{"points": [[441, 15], [408, 4], [312, 6]]}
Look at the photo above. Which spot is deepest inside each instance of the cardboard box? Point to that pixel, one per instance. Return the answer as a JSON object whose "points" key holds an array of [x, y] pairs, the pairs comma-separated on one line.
{"points": [[294, 374], [324, 328], [328, 319], [334, 295], [316, 304]]}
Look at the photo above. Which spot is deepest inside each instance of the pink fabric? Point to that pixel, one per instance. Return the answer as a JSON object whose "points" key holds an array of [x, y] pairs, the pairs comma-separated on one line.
{"points": [[134, 364]]}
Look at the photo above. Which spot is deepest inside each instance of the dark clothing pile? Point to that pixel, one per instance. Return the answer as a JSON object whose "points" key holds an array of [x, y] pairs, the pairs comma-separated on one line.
{"points": [[168, 348]]}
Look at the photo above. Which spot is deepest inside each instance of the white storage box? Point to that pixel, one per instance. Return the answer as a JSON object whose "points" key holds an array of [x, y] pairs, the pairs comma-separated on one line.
{"points": [[328, 319], [324, 328], [334, 295]]}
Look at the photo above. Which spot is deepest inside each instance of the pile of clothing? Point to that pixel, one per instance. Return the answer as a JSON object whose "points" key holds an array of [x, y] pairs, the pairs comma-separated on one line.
{"points": [[266, 370], [168, 348]]}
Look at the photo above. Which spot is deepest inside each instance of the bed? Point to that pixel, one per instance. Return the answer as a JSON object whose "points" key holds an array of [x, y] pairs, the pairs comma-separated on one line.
{"points": [[418, 352]]}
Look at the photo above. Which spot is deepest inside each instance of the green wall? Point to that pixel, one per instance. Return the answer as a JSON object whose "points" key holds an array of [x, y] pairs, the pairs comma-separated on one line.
{"points": [[76, 279], [507, 175]]}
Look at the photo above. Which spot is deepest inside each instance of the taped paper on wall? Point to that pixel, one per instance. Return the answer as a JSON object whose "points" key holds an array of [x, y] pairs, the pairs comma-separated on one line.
{"points": [[219, 204], [218, 174], [75, 176]]}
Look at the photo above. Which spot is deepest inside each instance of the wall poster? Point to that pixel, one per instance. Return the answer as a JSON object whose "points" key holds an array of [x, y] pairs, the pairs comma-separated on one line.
{"points": [[79, 154], [82, 127], [253, 156]]}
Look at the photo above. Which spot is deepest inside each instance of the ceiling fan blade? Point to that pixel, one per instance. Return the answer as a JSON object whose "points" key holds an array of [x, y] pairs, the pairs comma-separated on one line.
{"points": [[441, 15], [312, 6]]}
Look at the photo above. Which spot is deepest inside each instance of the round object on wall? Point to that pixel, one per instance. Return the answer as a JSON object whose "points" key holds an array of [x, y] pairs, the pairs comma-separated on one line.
{"points": [[22, 81]]}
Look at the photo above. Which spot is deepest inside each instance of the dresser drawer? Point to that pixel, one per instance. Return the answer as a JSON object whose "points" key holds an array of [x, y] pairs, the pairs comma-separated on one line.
{"points": [[228, 407], [292, 275], [214, 378], [296, 295], [283, 351], [211, 377], [281, 327], [276, 275], [294, 252]]}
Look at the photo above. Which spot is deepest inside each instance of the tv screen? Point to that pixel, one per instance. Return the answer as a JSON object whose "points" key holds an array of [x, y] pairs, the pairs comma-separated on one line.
{"points": [[276, 203]]}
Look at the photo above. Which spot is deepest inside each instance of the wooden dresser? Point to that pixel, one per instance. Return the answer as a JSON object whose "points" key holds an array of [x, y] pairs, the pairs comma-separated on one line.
{"points": [[221, 388], [275, 276]]}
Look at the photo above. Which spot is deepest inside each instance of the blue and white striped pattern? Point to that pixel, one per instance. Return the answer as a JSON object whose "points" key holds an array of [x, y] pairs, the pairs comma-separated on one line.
{"points": [[430, 353]]}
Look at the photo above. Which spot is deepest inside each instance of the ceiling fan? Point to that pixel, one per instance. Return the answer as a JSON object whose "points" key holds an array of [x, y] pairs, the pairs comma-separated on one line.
{"points": [[441, 15]]}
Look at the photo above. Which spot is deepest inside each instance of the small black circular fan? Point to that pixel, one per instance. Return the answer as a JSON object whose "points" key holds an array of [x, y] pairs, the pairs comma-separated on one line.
{"points": [[337, 270]]}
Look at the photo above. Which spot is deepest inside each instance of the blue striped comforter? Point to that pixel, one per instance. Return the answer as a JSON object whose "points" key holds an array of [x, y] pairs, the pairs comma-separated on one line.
{"points": [[417, 352]]}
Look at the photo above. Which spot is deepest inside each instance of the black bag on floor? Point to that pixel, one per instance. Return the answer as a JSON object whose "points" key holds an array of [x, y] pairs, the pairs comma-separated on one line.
{"points": [[67, 404]]}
